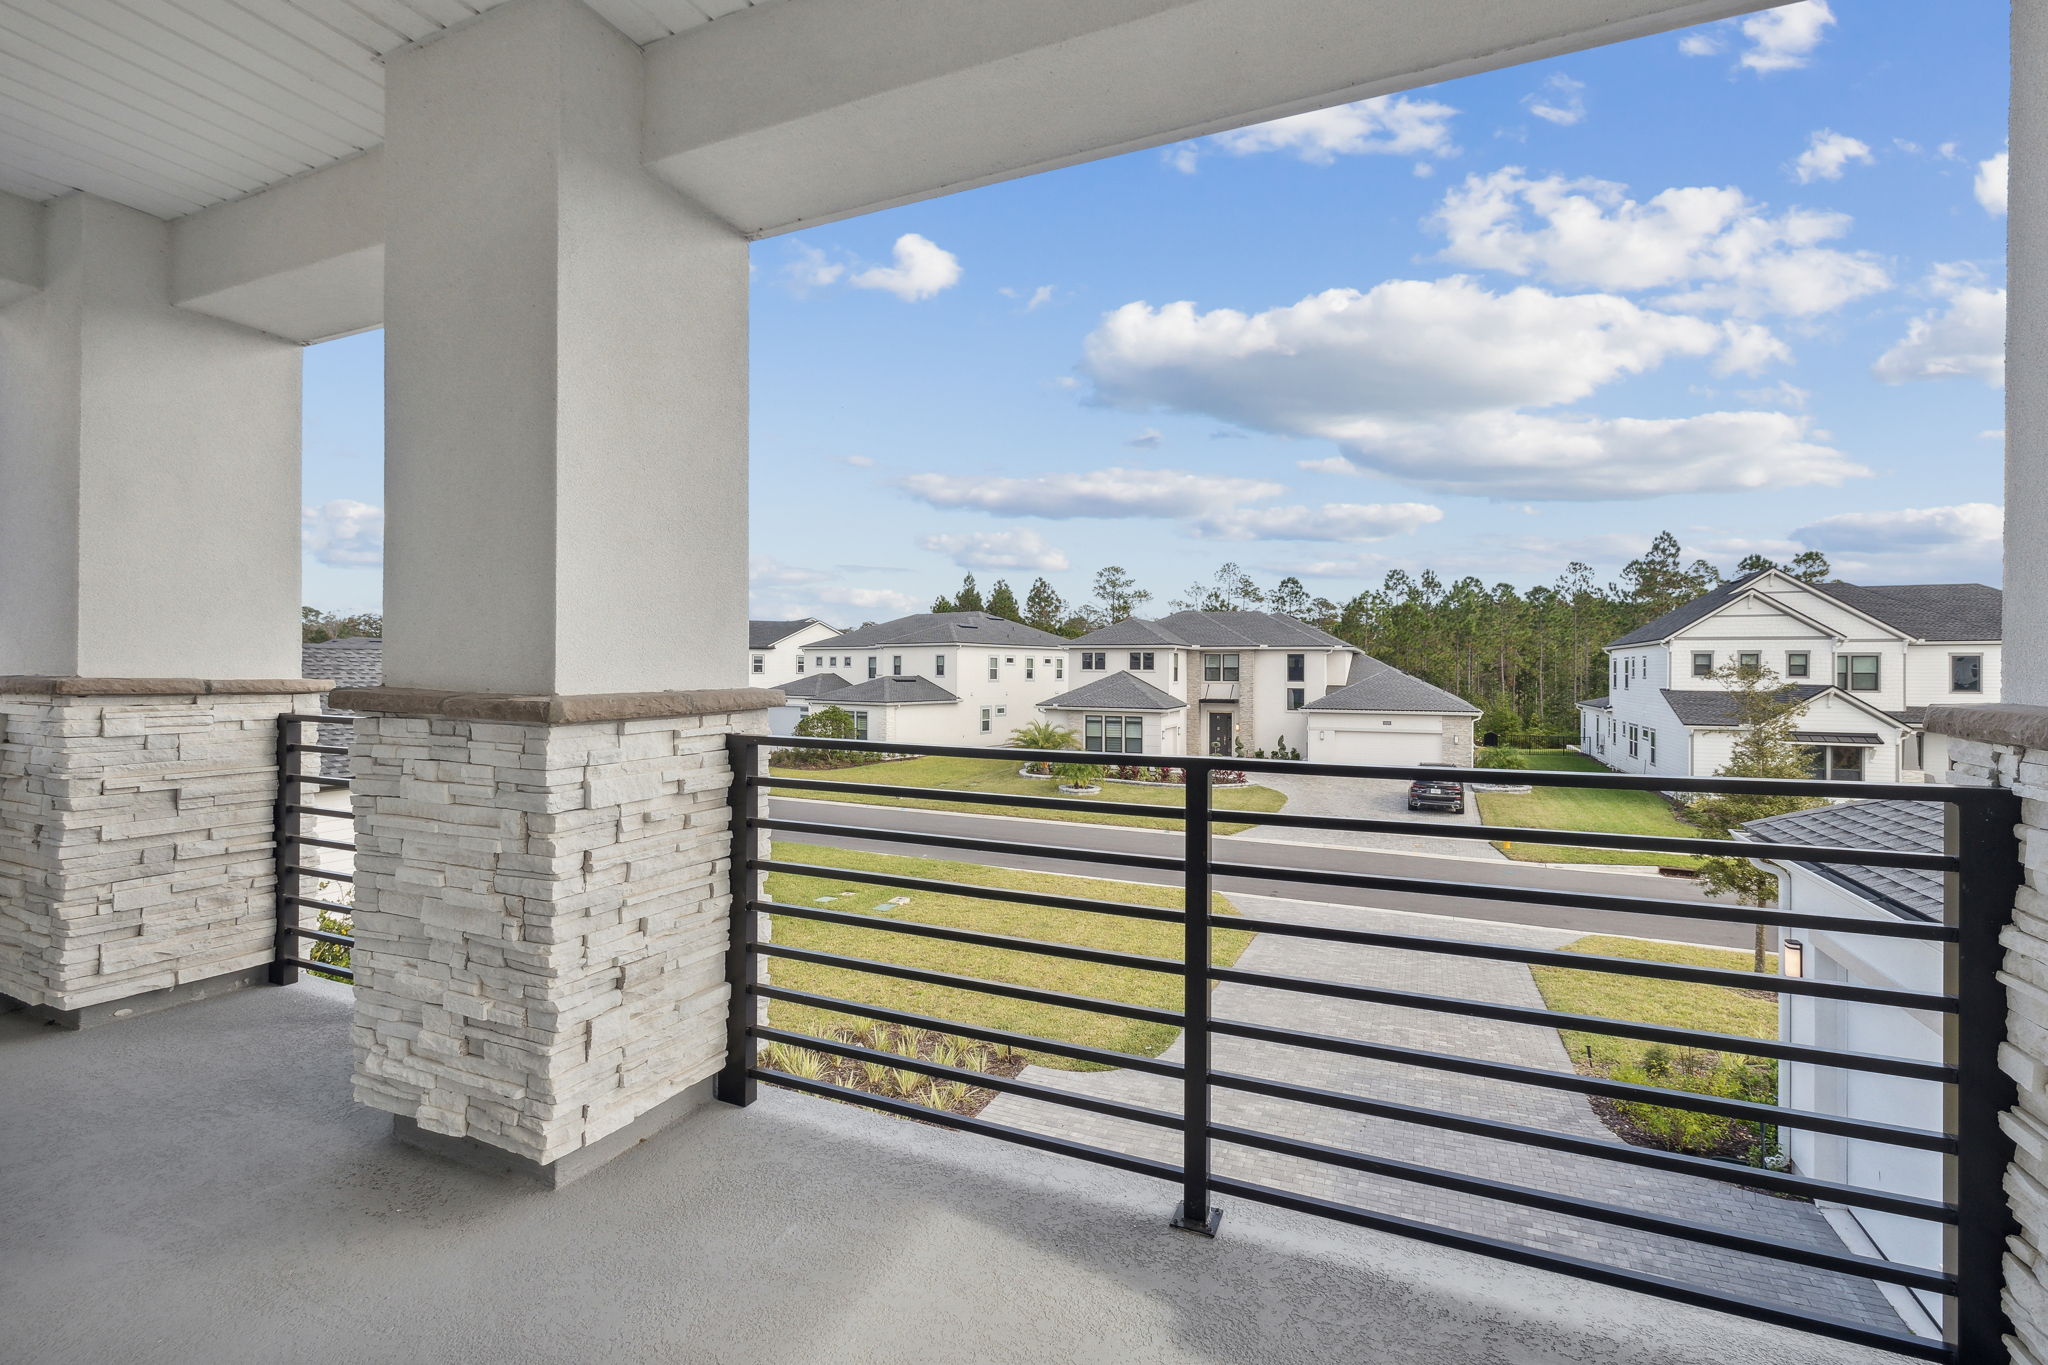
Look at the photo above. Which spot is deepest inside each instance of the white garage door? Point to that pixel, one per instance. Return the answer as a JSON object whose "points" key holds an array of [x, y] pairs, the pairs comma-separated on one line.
{"points": [[1388, 748]]}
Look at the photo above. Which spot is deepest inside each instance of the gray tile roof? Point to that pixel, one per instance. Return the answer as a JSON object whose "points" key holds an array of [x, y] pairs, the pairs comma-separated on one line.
{"points": [[1925, 611], [357, 661], [887, 691], [1215, 630], [1377, 686], [765, 634], [1117, 692], [814, 685], [1604, 703], [1712, 707], [948, 628], [1902, 826]]}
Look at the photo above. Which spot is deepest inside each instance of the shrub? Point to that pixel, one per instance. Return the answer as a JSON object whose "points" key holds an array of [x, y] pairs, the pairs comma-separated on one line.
{"points": [[827, 722], [1077, 774], [1754, 1079], [1229, 777], [1501, 758]]}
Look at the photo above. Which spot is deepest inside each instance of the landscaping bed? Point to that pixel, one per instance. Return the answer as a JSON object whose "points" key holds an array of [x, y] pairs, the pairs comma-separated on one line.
{"points": [[1583, 808]]}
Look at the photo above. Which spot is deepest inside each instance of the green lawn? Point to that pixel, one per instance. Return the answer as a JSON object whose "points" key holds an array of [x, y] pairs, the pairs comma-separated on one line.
{"points": [[1128, 985], [1618, 812], [1000, 776]]}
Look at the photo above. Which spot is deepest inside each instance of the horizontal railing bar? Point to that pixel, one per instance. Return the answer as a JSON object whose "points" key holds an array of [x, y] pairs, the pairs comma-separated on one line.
{"points": [[339, 751], [328, 811], [970, 983], [345, 973], [329, 873], [316, 781], [1583, 900], [1101, 1156], [1022, 1042], [1493, 1248], [1079, 855], [989, 893], [917, 929], [309, 841], [1539, 777], [335, 906], [322, 936], [1654, 843], [1622, 1153], [1615, 1215], [1159, 1118], [1592, 962], [1593, 1023], [1918, 1139], [777, 783]]}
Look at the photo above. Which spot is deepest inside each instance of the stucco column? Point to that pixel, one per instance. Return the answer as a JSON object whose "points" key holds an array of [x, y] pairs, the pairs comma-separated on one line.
{"points": [[540, 786], [2026, 366], [149, 584]]}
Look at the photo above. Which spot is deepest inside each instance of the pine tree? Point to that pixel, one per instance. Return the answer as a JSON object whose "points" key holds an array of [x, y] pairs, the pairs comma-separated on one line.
{"points": [[1809, 566], [1117, 594], [969, 597], [1291, 599], [1044, 608], [1002, 602], [1754, 563]]}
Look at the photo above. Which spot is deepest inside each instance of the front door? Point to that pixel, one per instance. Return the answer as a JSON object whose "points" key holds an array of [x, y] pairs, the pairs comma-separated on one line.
{"points": [[1219, 732]]}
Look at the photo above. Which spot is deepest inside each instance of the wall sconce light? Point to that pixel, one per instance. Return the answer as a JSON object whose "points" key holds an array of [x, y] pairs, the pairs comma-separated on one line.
{"points": [[1793, 958]]}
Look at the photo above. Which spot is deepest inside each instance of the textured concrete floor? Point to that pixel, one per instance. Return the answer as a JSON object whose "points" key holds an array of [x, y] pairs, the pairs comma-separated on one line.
{"points": [[198, 1187]]}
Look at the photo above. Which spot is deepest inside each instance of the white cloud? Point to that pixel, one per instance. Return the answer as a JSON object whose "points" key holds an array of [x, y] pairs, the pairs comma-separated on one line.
{"points": [[857, 461], [1341, 521], [343, 533], [765, 571], [1918, 542], [1963, 339], [1717, 247], [886, 601], [1106, 493], [1560, 100], [1151, 438], [1033, 300], [922, 268], [1387, 125], [1828, 153], [999, 550], [811, 269], [1703, 43], [1991, 178], [1784, 39]]}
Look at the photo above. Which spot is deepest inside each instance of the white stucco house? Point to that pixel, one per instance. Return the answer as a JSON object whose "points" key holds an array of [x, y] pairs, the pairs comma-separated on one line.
{"points": [[1391, 718], [1866, 661], [775, 649], [1863, 894]]}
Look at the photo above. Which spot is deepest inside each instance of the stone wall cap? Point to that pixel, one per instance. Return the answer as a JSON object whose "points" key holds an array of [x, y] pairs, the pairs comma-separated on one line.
{"points": [[553, 708], [48, 685], [1999, 722]]}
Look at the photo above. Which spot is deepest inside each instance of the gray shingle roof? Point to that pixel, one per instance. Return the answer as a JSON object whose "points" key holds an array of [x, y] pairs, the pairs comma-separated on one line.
{"points": [[357, 661], [1604, 703], [1117, 692], [765, 634], [1377, 686], [1713, 707], [1902, 826], [1925, 611], [1846, 738], [814, 685], [887, 691], [947, 628], [1215, 630]]}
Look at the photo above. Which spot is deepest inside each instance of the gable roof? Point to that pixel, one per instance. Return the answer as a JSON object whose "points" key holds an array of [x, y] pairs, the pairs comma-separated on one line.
{"points": [[886, 691], [814, 685], [947, 628], [1714, 709], [1901, 826], [1117, 692], [1383, 687], [768, 634], [1215, 630], [1936, 612]]}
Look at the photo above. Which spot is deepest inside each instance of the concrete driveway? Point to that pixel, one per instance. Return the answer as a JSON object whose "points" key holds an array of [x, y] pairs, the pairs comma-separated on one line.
{"points": [[1367, 798]]}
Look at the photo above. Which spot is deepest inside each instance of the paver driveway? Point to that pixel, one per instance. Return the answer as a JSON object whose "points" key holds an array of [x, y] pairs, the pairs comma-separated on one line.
{"points": [[1757, 1214], [1367, 798]]}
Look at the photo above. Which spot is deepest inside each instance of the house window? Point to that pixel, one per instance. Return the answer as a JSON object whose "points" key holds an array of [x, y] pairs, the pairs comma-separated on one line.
{"points": [[1633, 737], [1966, 672], [1835, 762], [1628, 673], [1650, 739], [1114, 734], [1703, 663], [1176, 667], [1799, 664], [818, 659], [760, 664], [1141, 663], [995, 668], [985, 722], [1749, 660], [1219, 668], [1856, 672], [871, 666], [938, 665], [1297, 668], [1093, 661], [895, 665], [860, 724], [799, 665], [1295, 697], [1059, 667], [1030, 668]]}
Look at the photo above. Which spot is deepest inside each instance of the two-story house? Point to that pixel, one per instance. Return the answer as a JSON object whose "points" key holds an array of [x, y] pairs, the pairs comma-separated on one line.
{"points": [[953, 677], [775, 649], [1212, 681], [1866, 662]]}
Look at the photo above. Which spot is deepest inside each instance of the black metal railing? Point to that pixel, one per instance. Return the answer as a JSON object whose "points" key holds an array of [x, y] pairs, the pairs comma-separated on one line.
{"points": [[293, 841], [1980, 866]]}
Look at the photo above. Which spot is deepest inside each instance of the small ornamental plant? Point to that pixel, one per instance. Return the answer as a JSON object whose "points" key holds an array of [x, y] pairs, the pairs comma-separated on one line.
{"points": [[1075, 776]]}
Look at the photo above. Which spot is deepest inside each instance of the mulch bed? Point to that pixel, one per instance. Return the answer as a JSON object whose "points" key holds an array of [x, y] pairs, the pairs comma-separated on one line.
{"points": [[930, 1091]]}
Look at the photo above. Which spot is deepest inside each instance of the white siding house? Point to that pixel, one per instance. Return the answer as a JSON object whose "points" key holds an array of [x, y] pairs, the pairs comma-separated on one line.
{"points": [[775, 649], [955, 677], [1868, 662]]}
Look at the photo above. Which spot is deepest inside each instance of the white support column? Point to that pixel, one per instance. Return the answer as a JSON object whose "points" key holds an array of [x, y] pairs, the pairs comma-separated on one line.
{"points": [[543, 848], [148, 621], [2026, 367]]}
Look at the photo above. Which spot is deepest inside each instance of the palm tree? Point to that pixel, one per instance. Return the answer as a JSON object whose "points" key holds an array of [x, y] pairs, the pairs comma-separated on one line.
{"points": [[1043, 734]]}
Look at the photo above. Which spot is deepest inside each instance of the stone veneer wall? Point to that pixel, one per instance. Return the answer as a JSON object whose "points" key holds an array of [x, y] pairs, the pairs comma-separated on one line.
{"points": [[541, 921], [136, 834]]}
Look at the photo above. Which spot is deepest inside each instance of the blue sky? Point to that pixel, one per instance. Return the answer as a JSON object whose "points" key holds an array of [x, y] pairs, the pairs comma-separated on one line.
{"points": [[1744, 282]]}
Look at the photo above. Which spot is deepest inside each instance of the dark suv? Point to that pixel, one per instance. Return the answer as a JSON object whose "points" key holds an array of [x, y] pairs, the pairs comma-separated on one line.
{"points": [[1437, 794]]}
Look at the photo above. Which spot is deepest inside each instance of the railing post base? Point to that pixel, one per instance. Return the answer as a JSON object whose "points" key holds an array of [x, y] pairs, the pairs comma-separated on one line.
{"points": [[1204, 1226]]}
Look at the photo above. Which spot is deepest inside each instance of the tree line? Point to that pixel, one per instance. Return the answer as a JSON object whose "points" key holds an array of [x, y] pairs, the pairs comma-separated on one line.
{"points": [[1524, 657]]}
